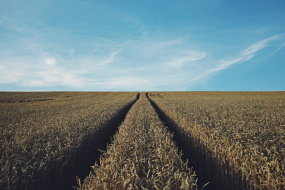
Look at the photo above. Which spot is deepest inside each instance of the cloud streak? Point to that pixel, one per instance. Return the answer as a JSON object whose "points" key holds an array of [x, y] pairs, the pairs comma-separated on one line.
{"points": [[131, 65], [262, 44], [111, 58], [181, 61], [245, 55]]}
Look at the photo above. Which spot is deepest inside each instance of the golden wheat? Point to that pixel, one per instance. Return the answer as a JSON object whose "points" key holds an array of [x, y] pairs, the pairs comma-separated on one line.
{"points": [[238, 136], [43, 131], [141, 156]]}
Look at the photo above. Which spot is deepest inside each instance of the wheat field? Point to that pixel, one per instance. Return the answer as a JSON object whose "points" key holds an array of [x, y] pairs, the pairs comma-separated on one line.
{"points": [[42, 134], [153, 140], [236, 138], [141, 156]]}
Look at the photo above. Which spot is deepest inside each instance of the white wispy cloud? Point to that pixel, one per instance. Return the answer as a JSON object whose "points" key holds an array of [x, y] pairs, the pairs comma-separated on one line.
{"points": [[141, 65], [57, 78], [10, 74], [245, 55], [260, 45], [38, 71], [50, 61], [111, 57], [180, 61], [119, 83], [158, 45]]}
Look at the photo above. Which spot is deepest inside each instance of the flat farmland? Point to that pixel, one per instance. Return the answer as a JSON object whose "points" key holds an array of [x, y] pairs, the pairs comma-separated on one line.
{"points": [[43, 134], [236, 140], [153, 140], [141, 156]]}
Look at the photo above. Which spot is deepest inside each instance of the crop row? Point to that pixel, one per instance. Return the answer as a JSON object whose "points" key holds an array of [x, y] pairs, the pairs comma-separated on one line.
{"points": [[236, 139], [142, 156], [45, 137]]}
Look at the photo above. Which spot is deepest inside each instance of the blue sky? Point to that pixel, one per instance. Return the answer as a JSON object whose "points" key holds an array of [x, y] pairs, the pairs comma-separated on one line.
{"points": [[145, 45]]}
